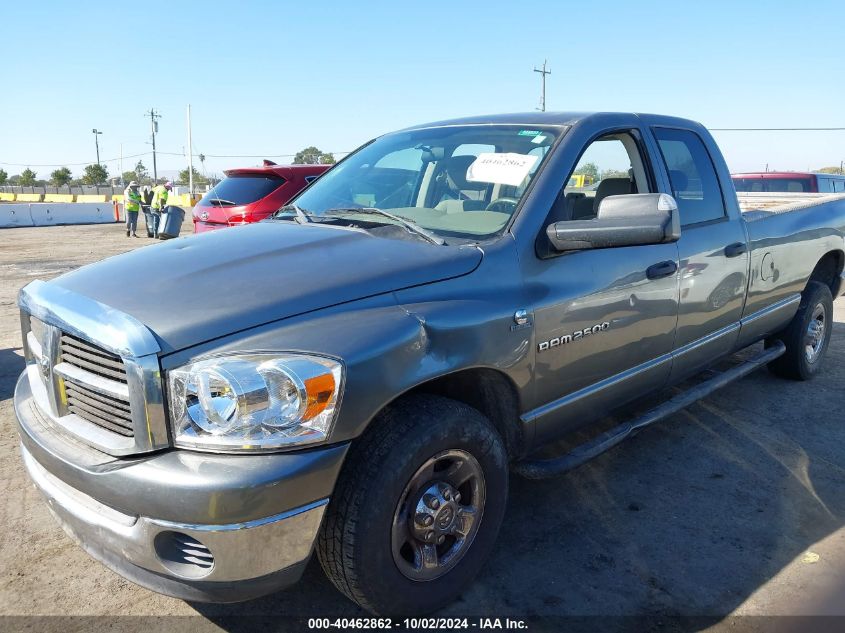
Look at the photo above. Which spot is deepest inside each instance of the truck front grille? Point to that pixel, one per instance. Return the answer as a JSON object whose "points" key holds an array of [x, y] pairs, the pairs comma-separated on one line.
{"points": [[104, 410], [92, 358], [93, 371]]}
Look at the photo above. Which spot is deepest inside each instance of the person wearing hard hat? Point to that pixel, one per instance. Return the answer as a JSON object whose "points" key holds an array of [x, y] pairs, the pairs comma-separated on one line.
{"points": [[160, 193], [131, 206]]}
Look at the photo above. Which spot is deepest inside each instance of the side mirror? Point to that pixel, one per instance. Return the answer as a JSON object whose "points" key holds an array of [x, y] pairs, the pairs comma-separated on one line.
{"points": [[629, 220]]}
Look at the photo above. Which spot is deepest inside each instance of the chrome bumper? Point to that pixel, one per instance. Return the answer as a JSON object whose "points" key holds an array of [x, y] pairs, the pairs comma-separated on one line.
{"points": [[238, 561], [189, 525]]}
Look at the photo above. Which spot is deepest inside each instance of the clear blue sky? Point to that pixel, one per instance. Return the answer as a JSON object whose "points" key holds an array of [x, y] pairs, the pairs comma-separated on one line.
{"points": [[274, 77]]}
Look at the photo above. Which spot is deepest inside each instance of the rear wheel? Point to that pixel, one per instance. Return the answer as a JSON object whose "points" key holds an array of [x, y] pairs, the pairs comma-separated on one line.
{"points": [[807, 336], [417, 508]]}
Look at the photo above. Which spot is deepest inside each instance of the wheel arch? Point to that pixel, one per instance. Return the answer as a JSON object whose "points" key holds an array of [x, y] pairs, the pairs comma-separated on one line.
{"points": [[828, 271], [490, 391]]}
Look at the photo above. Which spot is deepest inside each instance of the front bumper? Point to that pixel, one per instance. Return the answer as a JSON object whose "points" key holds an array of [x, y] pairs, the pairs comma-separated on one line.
{"points": [[190, 525], [201, 226]]}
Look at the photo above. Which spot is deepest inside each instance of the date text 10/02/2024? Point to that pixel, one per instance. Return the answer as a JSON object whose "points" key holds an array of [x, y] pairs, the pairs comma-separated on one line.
{"points": [[415, 624]]}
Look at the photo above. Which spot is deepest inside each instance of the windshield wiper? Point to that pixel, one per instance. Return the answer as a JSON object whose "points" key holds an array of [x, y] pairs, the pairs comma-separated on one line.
{"points": [[301, 216], [222, 202], [413, 227]]}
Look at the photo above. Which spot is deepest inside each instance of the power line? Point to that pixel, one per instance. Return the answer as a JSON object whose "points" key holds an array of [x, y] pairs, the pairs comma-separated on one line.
{"points": [[114, 160], [104, 160], [777, 129]]}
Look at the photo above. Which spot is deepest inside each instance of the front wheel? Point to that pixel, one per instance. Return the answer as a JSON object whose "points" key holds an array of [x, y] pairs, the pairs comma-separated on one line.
{"points": [[807, 336], [417, 507]]}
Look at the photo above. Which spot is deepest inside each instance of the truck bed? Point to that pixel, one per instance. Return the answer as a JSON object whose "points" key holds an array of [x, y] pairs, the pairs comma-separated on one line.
{"points": [[751, 202], [788, 233]]}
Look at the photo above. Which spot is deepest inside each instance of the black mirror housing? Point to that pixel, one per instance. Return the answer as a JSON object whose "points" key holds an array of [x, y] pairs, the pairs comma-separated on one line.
{"points": [[627, 220]]}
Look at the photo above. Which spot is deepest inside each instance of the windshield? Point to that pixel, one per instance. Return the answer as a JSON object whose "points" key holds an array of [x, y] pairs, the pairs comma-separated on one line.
{"points": [[238, 190], [462, 181]]}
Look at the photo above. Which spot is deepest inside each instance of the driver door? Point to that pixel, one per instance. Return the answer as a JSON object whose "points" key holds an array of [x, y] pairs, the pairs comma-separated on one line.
{"points": [[604, 319]]}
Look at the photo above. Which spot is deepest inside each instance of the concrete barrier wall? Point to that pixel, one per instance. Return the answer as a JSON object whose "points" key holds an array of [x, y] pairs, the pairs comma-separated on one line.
{"points": [[15, 215], [58, 197], [75, 213], [49, 214]]}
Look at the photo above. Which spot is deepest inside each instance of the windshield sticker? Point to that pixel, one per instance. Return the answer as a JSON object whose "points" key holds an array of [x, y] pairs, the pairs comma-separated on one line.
{"points": [[538, 139], [503, 169], [529, 132]]}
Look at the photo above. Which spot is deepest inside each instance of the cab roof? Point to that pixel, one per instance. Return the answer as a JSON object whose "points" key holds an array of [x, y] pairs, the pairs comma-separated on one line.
{"points": [[559, 119]]}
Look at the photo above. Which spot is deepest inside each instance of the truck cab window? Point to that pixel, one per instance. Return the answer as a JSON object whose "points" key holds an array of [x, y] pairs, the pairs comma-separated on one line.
{"points": [[692, 176], [611, 165]]}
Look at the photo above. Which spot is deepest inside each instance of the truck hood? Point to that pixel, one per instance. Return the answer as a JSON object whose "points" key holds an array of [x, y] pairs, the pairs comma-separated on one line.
{"points": [[193, 289]]}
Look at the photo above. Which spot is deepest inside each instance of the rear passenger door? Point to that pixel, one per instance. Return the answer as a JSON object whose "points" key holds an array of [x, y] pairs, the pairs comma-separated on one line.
{"points": [[713, 253]]}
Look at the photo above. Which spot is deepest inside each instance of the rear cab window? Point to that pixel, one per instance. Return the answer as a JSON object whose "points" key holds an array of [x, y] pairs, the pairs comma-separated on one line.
{"points": [[241, 189], [793, 185], [692, 176]]}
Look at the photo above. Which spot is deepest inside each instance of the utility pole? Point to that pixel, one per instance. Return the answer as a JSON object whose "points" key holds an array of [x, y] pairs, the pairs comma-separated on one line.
{"points": [[121, 165], [190, 156], [154, 130], [543, 72], [97, 133]]}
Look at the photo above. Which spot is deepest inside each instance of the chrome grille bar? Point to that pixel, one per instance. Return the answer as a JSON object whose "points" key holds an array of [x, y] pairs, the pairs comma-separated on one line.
{"points": [[106, 392]]}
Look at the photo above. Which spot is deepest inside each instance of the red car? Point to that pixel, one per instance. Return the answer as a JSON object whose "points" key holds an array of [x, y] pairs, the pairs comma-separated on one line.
{"points": [[250, 194], [789, 181]]}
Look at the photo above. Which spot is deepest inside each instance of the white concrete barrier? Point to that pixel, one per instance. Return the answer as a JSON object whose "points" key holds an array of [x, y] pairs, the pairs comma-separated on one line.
{"points": [[13, 214], [48, 214]]}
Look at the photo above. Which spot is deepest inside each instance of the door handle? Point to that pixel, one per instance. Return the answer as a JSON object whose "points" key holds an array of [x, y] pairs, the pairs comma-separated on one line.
{"points": [[736, 249], [663, 269]]}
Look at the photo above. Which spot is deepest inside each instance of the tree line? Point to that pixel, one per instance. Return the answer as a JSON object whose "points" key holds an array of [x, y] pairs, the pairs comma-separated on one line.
{"points": [[98, 174], [95, 175]]}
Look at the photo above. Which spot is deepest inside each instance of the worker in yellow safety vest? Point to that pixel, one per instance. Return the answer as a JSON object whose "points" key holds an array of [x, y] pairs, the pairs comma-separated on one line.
{"points": [[160, 193], [132, 206]]}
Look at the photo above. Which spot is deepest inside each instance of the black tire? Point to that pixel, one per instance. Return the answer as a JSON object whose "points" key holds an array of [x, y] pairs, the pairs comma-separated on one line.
{"points": [[356, 543], [802, 360]]}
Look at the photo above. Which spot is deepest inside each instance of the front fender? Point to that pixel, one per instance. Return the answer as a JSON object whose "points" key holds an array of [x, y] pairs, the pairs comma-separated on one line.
{"points": [[381, 345]]}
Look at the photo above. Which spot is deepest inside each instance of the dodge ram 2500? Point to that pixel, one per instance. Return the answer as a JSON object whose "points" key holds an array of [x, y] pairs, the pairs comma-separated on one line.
{"points": [[359, 374]]}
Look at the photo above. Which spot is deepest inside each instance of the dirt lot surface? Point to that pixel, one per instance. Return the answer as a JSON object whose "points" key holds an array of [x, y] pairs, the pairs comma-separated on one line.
{"points": [[735, 506]]}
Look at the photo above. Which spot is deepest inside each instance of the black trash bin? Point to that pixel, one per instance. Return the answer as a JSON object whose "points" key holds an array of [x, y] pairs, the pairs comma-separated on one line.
{"points": [[148, 219], [171, 222]]}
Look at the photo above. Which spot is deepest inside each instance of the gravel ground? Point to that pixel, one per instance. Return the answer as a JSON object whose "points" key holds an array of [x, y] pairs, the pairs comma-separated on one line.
{"points": [[734, 506]]}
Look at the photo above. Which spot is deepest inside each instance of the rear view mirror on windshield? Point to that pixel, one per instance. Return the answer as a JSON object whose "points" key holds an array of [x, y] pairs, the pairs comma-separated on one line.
{"points": [[624, 220]]}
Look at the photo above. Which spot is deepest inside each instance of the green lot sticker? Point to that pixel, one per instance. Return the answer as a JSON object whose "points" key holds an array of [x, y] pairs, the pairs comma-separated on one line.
{"points": [[529, 132]]}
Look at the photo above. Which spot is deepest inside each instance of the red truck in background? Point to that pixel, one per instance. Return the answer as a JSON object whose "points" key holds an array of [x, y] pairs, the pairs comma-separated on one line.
{"points": [[789, 182], [251, 194]]}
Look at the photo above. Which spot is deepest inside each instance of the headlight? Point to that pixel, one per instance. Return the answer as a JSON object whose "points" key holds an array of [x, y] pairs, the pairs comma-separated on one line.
{"points": [[255, 401]]}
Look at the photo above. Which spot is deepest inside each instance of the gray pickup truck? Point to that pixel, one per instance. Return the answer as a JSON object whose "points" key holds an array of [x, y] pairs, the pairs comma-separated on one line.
{"points": [[359, 374]]}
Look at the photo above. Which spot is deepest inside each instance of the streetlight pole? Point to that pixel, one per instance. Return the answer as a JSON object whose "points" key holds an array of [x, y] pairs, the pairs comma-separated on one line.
{"points": [[96, 133], [190, 156]]}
